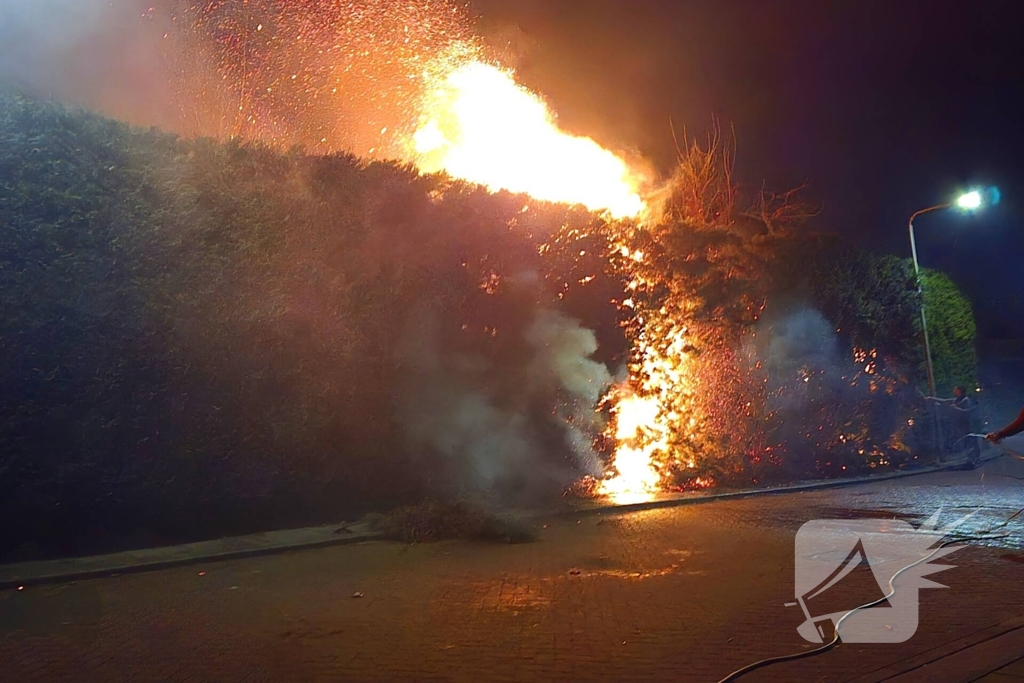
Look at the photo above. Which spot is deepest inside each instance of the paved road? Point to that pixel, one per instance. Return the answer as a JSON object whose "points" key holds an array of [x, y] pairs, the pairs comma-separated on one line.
{"points": [[684, 594]]}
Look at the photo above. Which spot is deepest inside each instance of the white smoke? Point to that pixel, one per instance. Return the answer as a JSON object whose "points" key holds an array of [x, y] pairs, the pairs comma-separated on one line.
{"points": [[564, 351], [49, 25], [493, 435], [108, 55]]}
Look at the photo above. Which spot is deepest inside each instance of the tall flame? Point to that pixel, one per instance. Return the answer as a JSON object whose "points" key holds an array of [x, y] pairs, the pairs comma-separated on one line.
{"points": [[478, 124], [656, 411], [639, 434]]}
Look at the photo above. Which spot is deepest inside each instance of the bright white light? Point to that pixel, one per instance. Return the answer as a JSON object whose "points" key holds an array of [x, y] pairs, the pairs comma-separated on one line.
{"points": [[970, 201]]}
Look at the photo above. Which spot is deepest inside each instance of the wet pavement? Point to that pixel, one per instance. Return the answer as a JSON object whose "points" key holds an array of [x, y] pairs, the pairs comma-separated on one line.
{"points": [[687, 594]]}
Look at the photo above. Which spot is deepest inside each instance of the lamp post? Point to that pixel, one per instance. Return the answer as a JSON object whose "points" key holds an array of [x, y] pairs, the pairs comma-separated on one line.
{"points": [[971, 201]]}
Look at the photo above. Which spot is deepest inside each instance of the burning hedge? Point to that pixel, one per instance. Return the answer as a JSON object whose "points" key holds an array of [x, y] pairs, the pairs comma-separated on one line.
{"points": [[202, 337], [760, 352]]}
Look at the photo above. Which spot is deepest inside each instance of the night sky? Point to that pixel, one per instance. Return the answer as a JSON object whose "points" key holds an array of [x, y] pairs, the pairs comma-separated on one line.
{"points": [[883, 107]]}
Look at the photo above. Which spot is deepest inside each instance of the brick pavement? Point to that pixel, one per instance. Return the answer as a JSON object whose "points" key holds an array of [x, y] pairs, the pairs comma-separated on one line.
{"points": [[684, 594], [1007, 674]]}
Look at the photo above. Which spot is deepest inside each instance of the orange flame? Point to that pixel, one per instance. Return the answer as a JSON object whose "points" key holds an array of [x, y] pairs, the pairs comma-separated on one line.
{"points": [[657, 411], [478, 124], [636, 478]]}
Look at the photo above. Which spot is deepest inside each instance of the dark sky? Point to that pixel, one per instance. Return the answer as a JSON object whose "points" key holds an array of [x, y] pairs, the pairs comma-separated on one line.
{"points": [[883, 107]]}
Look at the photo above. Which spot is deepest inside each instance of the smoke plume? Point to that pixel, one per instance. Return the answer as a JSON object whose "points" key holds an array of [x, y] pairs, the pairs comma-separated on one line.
{"points": [[500, 429], [115, 57], [826, 407]]}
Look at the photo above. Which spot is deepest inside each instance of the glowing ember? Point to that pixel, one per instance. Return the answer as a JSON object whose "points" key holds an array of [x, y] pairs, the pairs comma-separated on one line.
{"points": [[479, 125]]}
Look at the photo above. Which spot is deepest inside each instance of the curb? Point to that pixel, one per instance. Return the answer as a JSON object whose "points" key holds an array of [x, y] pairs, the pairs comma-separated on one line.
{"points": [[25, 574], [753, 493], [19, 575]]}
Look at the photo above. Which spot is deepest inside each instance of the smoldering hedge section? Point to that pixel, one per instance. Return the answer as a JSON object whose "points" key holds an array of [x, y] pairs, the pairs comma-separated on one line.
{"points": [[200, 337], [830, 409]]}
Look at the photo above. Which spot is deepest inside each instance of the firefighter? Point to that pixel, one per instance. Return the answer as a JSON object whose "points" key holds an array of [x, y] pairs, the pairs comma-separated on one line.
{"points": [[961, 416], [1012, 429]]}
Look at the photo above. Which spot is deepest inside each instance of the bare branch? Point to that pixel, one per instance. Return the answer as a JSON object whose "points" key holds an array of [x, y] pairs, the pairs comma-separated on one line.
{"points": [[703, 191], [782, 211]]}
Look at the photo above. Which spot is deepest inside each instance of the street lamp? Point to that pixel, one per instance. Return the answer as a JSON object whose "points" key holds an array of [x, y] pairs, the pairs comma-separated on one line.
{"points": [[969, 201]]}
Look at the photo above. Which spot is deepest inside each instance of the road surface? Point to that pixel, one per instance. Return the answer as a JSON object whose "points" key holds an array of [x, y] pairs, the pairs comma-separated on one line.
{"points": [[682, 594]]}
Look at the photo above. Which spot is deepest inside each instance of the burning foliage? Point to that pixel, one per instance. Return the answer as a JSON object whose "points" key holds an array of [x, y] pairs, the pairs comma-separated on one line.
{"points": [[747, 360], [202, 331]]}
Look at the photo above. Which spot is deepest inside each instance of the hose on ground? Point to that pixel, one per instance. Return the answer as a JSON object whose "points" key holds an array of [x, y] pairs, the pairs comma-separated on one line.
{"points": [[986, 535]]}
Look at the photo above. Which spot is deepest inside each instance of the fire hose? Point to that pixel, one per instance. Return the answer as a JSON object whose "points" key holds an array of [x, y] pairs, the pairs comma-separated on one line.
{"points": [[986, 535], [1006, 451]]}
